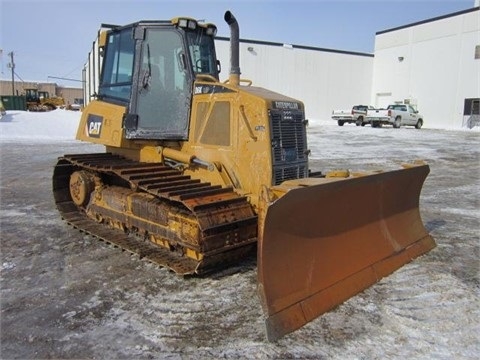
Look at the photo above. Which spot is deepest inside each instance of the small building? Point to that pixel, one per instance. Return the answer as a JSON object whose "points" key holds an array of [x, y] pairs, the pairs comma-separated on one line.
{"points": [[71, 95]]}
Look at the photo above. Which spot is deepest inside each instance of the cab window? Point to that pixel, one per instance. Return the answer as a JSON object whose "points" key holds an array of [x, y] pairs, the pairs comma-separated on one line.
{"points": [[116, 82]]}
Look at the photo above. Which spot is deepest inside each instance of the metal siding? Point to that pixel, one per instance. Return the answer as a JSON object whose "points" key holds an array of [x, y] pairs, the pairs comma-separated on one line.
{"points": [[322, 80], [438, 70]]}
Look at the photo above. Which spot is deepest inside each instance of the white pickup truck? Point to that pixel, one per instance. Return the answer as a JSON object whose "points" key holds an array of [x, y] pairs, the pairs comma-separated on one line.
{"points": [[356, 115], [396, 115]]}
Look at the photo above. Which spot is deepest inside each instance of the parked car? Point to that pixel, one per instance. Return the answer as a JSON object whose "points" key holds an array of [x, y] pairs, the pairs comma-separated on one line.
{"points": [[356, 115], [396, 115], [377, 117]]}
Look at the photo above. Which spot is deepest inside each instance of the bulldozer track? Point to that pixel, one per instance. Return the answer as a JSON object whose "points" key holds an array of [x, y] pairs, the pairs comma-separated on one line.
{"points": [[208, 203]]}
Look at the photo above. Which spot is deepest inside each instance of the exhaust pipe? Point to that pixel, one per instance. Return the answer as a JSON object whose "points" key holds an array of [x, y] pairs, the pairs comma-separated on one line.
{"points": [[234, 77]]}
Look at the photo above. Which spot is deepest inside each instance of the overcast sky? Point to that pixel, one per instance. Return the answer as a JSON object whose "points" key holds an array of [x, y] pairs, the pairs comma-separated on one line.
{"points": [[53, 37]]}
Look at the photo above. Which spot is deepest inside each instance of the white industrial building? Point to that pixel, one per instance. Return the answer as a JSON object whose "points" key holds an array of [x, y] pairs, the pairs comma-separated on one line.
{"points": [[433, 64]]}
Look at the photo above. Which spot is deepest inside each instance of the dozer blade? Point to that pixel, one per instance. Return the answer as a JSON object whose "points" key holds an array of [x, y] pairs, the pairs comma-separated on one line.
{"points": [[321, 244]]}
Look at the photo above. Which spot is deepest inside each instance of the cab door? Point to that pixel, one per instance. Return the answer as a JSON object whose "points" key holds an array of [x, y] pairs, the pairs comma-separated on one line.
{"points": [[161, 105], [412, 116]]}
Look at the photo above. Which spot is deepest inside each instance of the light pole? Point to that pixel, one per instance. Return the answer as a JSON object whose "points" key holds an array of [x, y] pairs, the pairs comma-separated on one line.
{"points": [[11, 65]]}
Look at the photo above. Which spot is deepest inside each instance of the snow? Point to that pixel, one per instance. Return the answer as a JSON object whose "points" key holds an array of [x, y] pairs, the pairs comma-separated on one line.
{"points": [[61, 125], [48, 126], [66, 295]]}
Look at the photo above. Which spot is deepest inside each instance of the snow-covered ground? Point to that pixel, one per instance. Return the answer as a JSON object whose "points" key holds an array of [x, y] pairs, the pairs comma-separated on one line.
{"points": [[66, 295], [39, 126]]}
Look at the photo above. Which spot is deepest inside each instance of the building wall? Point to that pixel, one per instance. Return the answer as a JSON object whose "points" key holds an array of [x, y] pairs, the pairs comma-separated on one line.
{"points": [[323, 79], [432, 64], [70, 95], [91, 71], [19, 87]]}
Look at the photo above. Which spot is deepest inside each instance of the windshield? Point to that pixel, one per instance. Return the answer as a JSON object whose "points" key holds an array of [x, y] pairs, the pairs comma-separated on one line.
{"points": [[202, 53]]}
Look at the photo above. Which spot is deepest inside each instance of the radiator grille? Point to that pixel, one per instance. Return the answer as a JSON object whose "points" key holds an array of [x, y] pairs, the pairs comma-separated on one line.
{"points": [[289, 145], [289, 173]]}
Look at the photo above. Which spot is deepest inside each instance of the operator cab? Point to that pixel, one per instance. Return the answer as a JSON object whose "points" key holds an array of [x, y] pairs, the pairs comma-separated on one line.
{"points": [[150, 67]]}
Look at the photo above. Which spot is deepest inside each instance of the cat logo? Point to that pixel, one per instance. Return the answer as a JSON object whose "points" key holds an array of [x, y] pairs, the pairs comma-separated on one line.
{"points": [[93, 127]]}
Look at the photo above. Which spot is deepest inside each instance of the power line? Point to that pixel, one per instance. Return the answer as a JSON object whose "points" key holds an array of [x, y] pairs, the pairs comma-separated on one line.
{"points": [[18, 76], [62, 78]]}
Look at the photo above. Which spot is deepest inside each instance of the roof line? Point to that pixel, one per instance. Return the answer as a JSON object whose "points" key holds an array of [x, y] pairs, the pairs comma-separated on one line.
{"points": [[429, 20], [260, 42]]}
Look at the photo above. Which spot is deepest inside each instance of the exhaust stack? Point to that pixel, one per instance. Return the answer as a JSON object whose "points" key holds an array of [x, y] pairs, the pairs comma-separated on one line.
{"points": [[234, 77]]}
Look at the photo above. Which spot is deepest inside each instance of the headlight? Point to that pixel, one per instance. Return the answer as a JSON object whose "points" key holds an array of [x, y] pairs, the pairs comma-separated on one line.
{"points": [[185, 23], [211, 30], [192, 24]]}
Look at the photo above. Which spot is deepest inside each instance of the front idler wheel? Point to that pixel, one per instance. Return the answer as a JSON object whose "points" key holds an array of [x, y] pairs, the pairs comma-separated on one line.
{"points": [[82, 184]]}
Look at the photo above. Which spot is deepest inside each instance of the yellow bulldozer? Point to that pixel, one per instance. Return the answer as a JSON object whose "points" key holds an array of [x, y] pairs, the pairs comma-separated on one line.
{"points": [[198, 173], [41, 101]]}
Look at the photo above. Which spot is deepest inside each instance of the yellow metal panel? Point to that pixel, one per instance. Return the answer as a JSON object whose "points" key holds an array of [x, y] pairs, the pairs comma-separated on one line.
{"points": [[101, 123], [243, 156], [102, 38]]}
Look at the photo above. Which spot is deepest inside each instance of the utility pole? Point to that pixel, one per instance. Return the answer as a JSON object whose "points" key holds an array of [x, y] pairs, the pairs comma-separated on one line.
{"points": [[11, 65]]}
